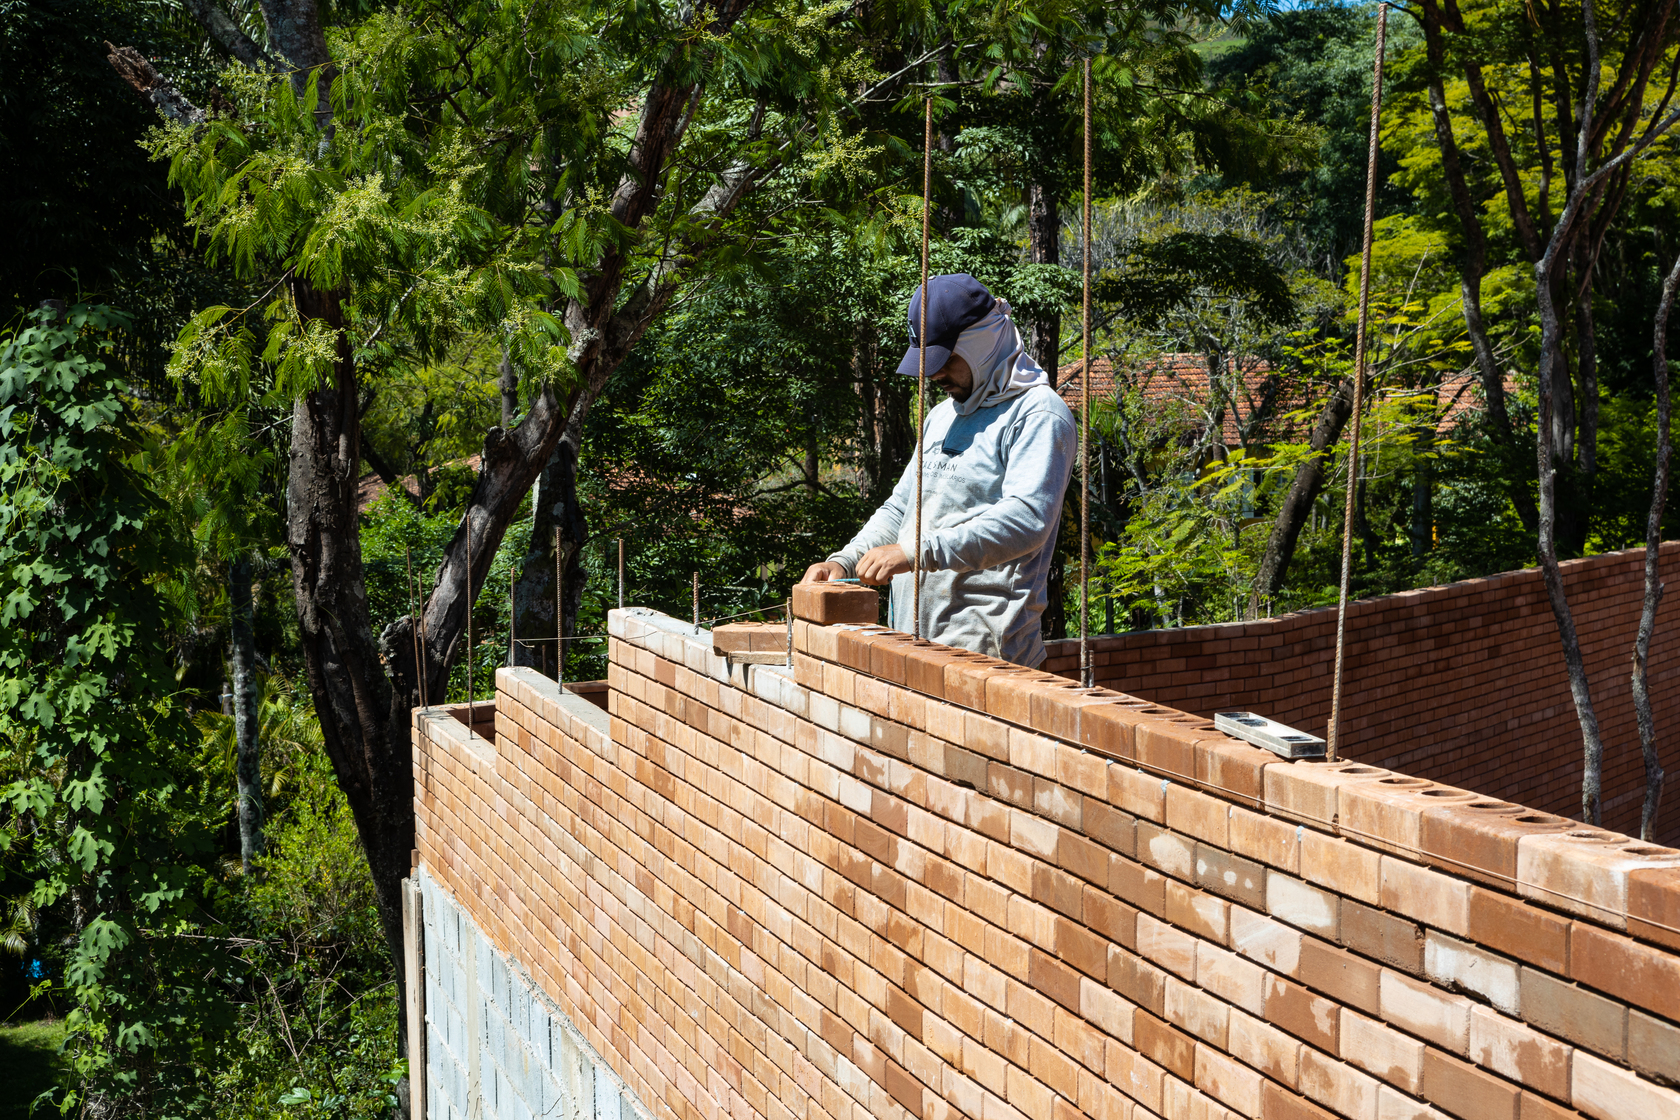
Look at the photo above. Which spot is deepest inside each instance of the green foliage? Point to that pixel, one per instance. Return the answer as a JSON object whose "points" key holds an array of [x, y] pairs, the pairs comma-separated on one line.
{"points": [[315, 1002], [101, 819]]}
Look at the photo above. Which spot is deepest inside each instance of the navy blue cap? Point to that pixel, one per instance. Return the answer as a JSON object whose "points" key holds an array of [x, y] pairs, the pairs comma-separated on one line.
{"points": [[955, 302]]}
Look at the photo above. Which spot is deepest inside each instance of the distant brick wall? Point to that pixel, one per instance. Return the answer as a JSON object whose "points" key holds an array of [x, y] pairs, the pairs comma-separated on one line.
{"points": [[1463, 684], [906, 881]]}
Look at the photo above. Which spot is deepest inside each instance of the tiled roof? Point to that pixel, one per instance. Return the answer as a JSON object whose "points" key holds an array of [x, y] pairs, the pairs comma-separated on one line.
{"points": [[1170, 378], [1183, 378]]}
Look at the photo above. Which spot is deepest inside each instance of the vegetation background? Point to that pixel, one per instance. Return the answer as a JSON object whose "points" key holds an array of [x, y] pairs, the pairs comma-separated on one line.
{"points": [[443, 228]]}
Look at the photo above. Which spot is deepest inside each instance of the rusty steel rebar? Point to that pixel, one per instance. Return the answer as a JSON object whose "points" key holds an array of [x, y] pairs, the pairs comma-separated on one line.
{"points": [[921, 368], [1333, 737], [620, 573], [1085, 408], [415, 620], [470, 708], [560, 615]]}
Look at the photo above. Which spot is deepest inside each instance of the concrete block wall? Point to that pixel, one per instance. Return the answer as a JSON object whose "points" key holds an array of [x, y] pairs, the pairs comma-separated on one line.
{"points": [[910, 881], [1463, 684]]}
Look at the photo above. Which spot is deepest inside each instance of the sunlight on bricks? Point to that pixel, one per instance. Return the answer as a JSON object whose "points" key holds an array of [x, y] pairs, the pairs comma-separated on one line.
{"points": [[898, 880]]}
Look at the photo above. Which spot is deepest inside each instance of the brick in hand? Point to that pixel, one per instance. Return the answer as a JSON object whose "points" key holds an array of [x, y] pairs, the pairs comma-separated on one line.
{"points": [[828, 603]]}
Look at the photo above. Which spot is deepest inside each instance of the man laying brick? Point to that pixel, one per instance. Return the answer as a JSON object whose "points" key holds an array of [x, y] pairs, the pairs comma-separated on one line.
{"points": [[998, 453]]}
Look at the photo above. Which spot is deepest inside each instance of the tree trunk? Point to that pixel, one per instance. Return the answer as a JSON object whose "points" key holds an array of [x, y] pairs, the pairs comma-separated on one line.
{"points": [[1303, 491], [1653, 583], [248, 755], [508, 383], [1044, 246], [554, 505], [1472, 266], [1554, 372], [1578, 466], [364, 721], [1422, 531]]}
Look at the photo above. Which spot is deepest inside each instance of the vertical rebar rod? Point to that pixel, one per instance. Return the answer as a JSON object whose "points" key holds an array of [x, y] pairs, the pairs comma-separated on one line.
{"points": [[470, 708], [921, 366], [513, 619], [414, 628], [1085, 409], [789, 610], [696, 582], [1333, 738], [620, 573], [560, 613]]}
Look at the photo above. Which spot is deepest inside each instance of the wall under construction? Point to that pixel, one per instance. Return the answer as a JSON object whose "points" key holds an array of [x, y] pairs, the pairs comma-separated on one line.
{"points": [[901, 880], [1463, 684]]}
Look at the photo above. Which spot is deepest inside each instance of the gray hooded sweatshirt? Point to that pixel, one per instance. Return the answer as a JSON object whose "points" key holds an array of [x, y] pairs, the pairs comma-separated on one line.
{"points": [[997, 466]]}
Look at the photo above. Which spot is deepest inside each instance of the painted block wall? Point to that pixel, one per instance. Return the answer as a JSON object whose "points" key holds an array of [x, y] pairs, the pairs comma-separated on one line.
{"points": [[908, 881], [1463, 684]]}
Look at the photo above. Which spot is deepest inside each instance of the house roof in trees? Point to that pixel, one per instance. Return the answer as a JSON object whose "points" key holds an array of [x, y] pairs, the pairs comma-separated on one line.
{"points": [[1178, 378], [1183, 379]]}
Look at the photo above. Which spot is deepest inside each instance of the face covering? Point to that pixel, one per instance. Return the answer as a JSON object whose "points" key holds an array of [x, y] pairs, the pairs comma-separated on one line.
{"points": [[1003, 369]]}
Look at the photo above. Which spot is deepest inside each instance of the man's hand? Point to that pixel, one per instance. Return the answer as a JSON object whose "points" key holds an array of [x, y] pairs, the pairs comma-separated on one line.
{"points": [[826, 570], [880, 565]]}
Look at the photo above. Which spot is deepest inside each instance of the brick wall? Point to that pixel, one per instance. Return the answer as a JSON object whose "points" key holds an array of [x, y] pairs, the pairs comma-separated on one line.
{"points": [[1463, 684], [902, 880], [498, 1048]]}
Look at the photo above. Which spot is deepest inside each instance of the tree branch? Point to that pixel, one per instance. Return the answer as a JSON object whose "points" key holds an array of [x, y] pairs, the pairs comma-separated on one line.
{"points": [[142, 77], [227, 35]]}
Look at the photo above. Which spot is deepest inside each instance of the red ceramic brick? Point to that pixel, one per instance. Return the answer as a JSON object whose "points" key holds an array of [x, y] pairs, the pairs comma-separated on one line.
{"points": [[1341, 866], [1198, 814], [1164, 1045], [1234, 768], [1519, 1052], [1006, 699], [1308, 791], [1465, 1091], [1382, 936], [1426, 1011], [1265, 839], [746, 637], [1387, 811], [1168, 747], [1377, 1049], [1427, 896], [1110, 727], [1644, 976], [1531, 1107], [1345, 978], [1608, 1092], [924, 666], [1478, 838], [1574, 1013], [1056, 706], [1585, 871], [1264, 1047], [1280, 1104], [1338, 1085], [827, 603], [1520, 929], [1311, 1018], [887, 659], [1654, 905], [965, 680]]}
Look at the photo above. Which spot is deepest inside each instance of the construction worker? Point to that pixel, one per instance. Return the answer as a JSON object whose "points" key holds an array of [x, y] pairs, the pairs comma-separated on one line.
{"points": [[998, 451]]}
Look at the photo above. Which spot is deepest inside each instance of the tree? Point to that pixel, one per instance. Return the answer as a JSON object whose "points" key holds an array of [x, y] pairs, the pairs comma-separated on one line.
{"points": [[435, 177], [104, 818]]}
